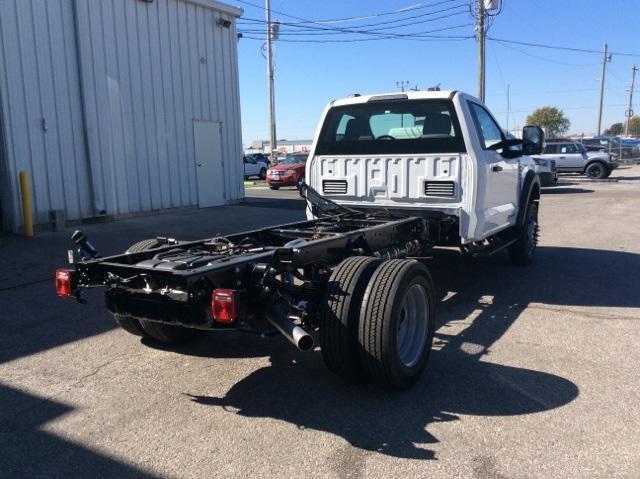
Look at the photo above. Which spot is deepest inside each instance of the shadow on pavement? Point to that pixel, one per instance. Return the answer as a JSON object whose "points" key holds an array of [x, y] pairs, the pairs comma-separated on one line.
{"points": [[563, 191], [27, 451], [278, 203], [626, 178], [296, 388]]}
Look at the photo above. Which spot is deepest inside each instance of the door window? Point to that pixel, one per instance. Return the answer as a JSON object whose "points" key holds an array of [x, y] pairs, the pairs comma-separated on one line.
{"points": [[551, 149], [569, 148], [489, 131]]}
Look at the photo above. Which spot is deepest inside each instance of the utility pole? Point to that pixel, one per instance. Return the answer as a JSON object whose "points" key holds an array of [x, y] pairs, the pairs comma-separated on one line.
{"points": [[629, 112], [605, 59], [402, 84], [272, 103], [480, 31]]}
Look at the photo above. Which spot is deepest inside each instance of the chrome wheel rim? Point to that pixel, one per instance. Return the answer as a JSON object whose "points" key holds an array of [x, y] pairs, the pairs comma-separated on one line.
{"points": [[413, 325]]}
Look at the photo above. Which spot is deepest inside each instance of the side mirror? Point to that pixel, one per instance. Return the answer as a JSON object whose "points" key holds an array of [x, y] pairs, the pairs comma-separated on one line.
{"points": [[532, 140]]}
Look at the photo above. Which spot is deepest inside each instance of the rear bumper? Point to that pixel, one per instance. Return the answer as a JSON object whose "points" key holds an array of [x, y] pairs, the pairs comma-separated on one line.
{"points": [[157, 308]]}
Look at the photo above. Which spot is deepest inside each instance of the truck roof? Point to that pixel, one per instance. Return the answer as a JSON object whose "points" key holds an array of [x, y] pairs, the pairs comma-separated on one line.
{"points": [[410, 95]]}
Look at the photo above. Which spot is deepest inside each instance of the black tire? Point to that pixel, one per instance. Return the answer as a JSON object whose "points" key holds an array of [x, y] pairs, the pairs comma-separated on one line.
{"points": [[340, 313], [168, 333], [263, 173], [274, 187], [522, 252], [165, 333], [382, 315], [596, 170], [143, 245], [129, 324]]}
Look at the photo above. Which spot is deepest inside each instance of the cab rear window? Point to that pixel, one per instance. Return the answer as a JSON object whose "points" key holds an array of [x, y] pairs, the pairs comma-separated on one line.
{"points": [[391, 127]]}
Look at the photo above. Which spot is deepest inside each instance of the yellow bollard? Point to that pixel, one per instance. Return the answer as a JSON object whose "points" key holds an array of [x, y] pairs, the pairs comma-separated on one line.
{"points": [[27, 216]]}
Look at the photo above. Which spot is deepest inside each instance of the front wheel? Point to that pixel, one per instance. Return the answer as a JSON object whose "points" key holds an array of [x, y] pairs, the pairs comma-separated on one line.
{"points": [[523, 250], [596, 171], [397, 323], [263, 174]]}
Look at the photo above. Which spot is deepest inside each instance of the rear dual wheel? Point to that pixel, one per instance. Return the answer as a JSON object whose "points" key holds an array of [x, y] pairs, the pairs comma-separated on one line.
{"points": [[378, 320], [164, 333]]}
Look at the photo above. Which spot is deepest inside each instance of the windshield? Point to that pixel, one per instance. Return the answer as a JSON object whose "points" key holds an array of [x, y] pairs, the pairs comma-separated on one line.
{"points": [[398, 126], [294, 159]]}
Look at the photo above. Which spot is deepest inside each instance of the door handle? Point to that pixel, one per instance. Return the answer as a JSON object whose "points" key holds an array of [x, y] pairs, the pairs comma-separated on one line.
{"points": [[199, 164], [496, 168]]}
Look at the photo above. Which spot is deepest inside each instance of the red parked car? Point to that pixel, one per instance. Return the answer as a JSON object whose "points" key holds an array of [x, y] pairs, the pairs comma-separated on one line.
{"points": [[288, 171]]}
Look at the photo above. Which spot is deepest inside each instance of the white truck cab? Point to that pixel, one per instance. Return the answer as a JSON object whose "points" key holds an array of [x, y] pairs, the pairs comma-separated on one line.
{"points": [[437, 154]]}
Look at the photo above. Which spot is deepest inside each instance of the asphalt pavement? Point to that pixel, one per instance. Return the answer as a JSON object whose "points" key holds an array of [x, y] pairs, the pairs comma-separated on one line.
{"points": [[534, 372]]}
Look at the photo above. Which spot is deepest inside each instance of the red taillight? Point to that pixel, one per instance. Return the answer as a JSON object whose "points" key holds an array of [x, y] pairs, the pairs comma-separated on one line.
{"points": [[224, 305], [65, 283]]}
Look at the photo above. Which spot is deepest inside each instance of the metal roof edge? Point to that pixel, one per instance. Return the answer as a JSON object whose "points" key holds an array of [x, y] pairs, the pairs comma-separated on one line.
{"points": [[217, 6]]}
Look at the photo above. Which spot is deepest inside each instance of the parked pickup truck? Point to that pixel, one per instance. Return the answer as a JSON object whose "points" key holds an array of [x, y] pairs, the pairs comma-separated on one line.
{"points": [[390, 177]]}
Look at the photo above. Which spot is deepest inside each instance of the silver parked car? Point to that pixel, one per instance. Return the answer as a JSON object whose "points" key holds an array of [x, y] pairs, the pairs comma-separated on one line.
{"points": [[572, 157]]}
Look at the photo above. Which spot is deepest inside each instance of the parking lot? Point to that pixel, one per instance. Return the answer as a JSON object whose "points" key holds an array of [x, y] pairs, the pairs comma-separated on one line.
{"points": [[534, 372]]}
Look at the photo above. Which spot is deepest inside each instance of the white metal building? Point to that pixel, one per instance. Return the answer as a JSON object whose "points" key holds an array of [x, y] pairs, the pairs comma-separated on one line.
{"points": [[118, 107]]}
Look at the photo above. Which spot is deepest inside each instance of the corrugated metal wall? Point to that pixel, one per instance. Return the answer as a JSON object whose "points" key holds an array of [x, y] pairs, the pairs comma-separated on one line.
{"points": [[40, 89], [119, 83]]}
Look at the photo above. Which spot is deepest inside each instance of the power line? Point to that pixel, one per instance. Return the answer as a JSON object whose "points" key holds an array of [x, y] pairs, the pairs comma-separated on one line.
{"points": [[306, 20], [304, 30], [418, 36], [557, 62], [419, 6], [555, 47], [566, 108], [560, 91], [433, 38]]}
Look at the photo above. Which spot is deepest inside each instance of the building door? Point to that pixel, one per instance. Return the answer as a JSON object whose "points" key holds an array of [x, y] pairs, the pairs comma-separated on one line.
{"points": [[207, 136]]}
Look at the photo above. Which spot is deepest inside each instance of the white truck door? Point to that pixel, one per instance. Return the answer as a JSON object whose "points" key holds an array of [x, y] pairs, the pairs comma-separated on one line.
{"points": [[498, 183]]}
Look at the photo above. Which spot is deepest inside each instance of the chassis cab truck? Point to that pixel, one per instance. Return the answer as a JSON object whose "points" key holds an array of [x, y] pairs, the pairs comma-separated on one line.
{"points": [[390, 176], [438, 155]]}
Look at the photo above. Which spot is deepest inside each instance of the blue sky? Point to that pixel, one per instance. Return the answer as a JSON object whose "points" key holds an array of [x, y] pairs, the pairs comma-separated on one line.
{"points": [[308, 75]]}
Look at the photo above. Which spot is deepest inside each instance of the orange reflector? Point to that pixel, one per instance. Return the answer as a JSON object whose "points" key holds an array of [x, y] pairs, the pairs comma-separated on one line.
{"points": [[64, 283], [224, 305]]}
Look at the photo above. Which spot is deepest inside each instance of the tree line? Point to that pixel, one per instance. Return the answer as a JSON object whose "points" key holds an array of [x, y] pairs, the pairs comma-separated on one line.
{"points": [[555, 123]]}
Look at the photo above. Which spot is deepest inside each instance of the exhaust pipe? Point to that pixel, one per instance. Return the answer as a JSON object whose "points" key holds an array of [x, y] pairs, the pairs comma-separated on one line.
{"points": [[294, 333]]}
